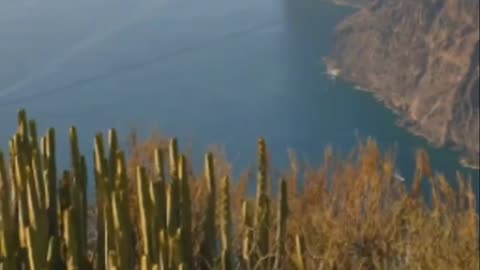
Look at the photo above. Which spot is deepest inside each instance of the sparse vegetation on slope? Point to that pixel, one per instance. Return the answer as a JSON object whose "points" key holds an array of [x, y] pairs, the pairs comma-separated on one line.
{"points": [[350, 214], [420, 58]]}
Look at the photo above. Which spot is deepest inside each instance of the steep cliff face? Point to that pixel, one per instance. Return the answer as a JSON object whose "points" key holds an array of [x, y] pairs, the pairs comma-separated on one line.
{"points": [[421, 58]]}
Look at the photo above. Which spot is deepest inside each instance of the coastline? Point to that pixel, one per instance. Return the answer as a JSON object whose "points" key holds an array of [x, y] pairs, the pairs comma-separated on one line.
{"points": [[465, 162], [347, 3], [464, 159]]}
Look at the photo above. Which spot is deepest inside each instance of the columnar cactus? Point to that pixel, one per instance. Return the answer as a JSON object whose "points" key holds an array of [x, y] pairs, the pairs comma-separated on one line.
{"points": [[79, 195], [144, 209], [173, 201], [225, 226], [186, 213], [282, 224], [9, 248], [43, 222], [158, 208], [248, 234], [262, 209], [101, 257], [208, 244], [299, 257]]}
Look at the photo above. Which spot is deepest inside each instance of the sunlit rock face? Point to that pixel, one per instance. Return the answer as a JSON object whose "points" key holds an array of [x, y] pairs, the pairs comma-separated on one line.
{"points": [[421, 57]]}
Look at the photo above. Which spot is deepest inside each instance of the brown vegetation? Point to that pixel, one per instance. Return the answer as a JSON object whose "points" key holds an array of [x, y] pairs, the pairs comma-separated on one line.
{"points": [[355, 214], [351, 213]]}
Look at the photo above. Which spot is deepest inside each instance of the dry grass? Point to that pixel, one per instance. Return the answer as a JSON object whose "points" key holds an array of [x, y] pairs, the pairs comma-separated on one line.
{"points": [[355, 215]]}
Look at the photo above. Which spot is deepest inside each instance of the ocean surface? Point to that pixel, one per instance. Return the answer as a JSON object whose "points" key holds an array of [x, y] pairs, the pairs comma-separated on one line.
{"points": [[210, 72]]}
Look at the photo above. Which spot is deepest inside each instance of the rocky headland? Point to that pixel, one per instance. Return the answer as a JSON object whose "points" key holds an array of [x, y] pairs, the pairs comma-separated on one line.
{"points": [[421, 58]]}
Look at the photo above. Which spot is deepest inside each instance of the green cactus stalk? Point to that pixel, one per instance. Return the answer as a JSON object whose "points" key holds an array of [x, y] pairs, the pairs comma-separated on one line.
{"points": [[145, 263], [71, 240], [159, 187], [144, 208], [172, 206], [299, 255], [109, 164], [112, 159], [83, 204], [173, 201], [262, 210], [36, 164], [8, 231], [20, 180], [208, 244], [248, 235], [51, 179], [43, 226], [75, 153], [225, 226], [163, 249], [113, 260], [186, 213], [33, 134], [122, 223], [24, 145], [173, 156], [22, 255], [33, 249], [38, 178], [105, 185], [121, 179], [23, 179], [158, 205], [37, 194], [69, 222], [282, 224], [176, 249], [78, 194], [122, 233], [52, 255], [101, 260], [32, 201], [38, 227]]}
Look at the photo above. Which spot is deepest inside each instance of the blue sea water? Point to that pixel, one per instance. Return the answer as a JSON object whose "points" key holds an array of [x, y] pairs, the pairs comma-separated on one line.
{"points": [[209, 72]]}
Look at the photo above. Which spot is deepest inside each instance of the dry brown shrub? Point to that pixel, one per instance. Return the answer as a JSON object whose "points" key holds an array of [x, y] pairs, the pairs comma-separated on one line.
{"points": [[354, 214]]}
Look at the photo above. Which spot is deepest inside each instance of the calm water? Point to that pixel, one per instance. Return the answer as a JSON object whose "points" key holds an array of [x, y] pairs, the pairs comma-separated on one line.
{"points": [[210, 72]]}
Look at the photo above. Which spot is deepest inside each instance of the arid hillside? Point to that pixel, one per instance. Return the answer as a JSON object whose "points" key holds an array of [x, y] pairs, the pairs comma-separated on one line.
{"points": [[420, 57]]}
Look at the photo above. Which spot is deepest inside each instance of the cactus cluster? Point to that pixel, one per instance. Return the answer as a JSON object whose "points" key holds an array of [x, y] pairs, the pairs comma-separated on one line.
{"points": [[44, 223]]}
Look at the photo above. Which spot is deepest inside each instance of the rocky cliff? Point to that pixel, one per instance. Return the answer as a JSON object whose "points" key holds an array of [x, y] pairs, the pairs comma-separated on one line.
{"points": [[421, 57]]}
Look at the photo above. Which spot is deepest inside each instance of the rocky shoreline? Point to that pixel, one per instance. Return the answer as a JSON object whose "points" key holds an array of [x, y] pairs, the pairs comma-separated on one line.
{"points": [[467, 159], [350, 3], [421, 59]]}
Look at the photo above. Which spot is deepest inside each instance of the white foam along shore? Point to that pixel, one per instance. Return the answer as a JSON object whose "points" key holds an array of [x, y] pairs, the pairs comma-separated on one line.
{"points": [[345, 3], [332, 71], [399, 177], [468, 164], [358, 87]]}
